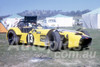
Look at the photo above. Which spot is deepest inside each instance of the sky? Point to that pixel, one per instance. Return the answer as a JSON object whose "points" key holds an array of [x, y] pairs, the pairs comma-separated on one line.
{"points": [[16, 6]]}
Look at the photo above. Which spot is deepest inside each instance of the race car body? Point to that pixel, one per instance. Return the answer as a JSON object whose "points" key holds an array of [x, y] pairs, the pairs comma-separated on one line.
{"points": [[53, 38]]}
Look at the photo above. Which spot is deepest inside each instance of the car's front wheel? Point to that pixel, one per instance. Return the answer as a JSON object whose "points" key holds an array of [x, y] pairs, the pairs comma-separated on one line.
{"points": [[54, 41], [80, 48]]}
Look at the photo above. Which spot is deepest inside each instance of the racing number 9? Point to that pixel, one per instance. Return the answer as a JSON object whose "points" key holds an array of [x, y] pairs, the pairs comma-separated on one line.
{"points": [[30, 38]]}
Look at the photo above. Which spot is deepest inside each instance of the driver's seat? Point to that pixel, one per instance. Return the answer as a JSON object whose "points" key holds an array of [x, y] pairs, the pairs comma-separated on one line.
{"points": [[26, 30]]}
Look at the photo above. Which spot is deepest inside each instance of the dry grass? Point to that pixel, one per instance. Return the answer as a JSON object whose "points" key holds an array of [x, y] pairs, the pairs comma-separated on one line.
{"points": [[21, 58]]}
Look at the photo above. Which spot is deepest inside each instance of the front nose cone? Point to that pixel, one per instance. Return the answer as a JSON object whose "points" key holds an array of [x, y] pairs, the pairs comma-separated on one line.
{"points": [[85, 41]]}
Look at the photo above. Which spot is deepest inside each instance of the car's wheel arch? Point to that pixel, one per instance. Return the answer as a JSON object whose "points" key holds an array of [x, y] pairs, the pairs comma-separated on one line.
{"points": [[50, 32], [16, 30]]}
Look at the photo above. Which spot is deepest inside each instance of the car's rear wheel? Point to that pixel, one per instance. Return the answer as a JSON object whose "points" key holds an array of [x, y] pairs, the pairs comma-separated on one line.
{"points": [[54, 41], [13, 39]]}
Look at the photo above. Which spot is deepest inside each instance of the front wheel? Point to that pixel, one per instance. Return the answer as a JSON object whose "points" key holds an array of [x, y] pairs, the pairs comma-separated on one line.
{"points": [[54, 41], [80, 48]]}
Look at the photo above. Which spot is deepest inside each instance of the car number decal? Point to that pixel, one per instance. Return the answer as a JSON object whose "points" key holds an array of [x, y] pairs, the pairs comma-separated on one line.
{"points": [[30, 38]]}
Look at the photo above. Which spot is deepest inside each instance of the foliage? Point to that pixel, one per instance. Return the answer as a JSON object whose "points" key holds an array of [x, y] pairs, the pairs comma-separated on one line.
{"points": [[48, 13], [42, 14]]}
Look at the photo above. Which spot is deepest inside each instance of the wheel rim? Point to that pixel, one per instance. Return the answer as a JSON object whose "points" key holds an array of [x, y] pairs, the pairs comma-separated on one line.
{"points": [[11, 38], [52, 44]]}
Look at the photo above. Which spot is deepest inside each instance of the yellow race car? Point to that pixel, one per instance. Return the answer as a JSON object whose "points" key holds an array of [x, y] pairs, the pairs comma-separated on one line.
{"points": [[28, 32]]}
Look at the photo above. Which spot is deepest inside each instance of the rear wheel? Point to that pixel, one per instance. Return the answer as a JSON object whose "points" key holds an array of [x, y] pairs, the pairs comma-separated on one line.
{"points": [[13, 39]]}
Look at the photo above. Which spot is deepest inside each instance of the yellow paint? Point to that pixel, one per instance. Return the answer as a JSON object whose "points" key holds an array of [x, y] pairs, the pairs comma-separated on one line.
{"points": [[73, 40]]}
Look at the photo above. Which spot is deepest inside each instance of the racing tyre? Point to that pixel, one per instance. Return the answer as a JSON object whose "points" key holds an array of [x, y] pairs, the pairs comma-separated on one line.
{"points": [[54, 41], [13, 39], [80, 48]]}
